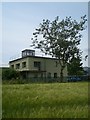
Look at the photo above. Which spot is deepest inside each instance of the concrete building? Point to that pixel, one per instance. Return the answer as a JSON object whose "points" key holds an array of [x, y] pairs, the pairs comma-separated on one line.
{"points": [[30, 65]]}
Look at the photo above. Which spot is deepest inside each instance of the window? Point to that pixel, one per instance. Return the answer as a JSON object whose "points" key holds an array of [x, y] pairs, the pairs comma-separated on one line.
{"points": [[37, 64], [28, 53], [24, 54], [49, 75], [18, 66], [12, 66], [23, 64], [55, 75]]}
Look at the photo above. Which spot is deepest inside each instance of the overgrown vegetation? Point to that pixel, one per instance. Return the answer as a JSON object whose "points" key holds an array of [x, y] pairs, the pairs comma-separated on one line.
{"points": [[9, 74], [54, 100]]}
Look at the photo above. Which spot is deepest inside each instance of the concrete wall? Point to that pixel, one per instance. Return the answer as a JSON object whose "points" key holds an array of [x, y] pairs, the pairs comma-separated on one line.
{"points": [[20, 61]]}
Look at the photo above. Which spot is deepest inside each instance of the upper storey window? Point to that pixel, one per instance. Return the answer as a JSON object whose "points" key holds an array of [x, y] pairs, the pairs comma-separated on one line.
{"points": [[23, 64], [12, 66], [37, 64], [18, 66]]}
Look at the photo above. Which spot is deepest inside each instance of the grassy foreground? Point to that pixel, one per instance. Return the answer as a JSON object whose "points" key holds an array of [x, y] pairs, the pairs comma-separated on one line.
{"points": [[53, 100]]}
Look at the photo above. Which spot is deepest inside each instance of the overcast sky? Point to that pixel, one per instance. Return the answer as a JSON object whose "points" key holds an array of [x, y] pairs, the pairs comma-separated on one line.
{"points": [[20, 19]]}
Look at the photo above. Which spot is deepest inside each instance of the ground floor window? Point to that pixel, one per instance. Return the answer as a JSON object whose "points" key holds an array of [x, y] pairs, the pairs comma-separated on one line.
{"points": [[55, 75], [49, 75]]}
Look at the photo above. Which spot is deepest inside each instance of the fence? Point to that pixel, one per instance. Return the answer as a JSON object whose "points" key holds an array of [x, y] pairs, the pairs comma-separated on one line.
{"points": [[48, 80]]}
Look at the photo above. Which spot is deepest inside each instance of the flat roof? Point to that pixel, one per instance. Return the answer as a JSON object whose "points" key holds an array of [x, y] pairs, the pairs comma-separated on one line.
{"points": [[28, 50], [33, 57]]}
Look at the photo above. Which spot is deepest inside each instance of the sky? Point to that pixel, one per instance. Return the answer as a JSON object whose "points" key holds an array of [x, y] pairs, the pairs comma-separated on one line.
{"points": [[20, 19]]}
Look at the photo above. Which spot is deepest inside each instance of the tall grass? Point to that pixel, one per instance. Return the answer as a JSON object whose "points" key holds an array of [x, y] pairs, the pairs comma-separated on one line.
{"points": [[53, 100]]}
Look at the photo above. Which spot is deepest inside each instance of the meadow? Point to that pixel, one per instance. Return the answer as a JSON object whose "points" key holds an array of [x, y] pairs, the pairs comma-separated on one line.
{"points": [[45, 100]]}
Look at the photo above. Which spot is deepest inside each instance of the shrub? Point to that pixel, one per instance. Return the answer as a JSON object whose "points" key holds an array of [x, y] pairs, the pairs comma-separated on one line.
{"points": [[8, 74]]}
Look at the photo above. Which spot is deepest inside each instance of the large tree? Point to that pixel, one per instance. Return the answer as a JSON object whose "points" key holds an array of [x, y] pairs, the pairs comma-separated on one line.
{"points": [[59, 39]]}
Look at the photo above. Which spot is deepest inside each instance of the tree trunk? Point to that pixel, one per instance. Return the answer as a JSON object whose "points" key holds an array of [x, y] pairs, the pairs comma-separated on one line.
{"points": [[61, 75]]}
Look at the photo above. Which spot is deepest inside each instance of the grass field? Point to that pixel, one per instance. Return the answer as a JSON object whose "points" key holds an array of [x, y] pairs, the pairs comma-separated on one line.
{"points": [[53, 100]]}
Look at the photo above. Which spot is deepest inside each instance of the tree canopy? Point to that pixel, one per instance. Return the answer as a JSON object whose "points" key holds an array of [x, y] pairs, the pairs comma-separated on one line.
{"points": [[59, 38]]}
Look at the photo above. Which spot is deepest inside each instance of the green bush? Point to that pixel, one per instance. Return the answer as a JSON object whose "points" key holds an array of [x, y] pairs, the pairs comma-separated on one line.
{"points": [[8, 74]]}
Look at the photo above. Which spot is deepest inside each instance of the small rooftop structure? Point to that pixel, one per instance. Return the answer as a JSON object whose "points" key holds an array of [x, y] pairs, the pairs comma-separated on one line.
{"points": [[28, 52]]}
